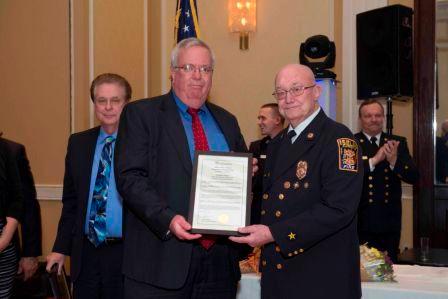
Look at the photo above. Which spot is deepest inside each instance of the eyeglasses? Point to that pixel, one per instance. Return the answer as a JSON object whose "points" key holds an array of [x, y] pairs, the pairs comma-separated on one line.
{"points": [[295, 91], [190, 68], [114, 102]]}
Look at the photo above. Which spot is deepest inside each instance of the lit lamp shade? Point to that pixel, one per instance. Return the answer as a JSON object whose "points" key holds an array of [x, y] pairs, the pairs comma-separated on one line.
{"points": [[243, 19]]}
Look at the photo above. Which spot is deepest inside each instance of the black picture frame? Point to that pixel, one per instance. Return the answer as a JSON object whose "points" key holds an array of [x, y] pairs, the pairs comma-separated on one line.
{"points": [[248, 198]]}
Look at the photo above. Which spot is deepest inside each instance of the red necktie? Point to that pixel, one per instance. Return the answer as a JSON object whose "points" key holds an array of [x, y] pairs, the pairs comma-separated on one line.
{"points": [[200, 144]]}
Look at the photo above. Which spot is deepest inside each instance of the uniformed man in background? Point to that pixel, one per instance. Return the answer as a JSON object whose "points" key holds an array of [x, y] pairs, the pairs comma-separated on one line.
{"points": [[271, 123], [312, 185], [387, 162]]}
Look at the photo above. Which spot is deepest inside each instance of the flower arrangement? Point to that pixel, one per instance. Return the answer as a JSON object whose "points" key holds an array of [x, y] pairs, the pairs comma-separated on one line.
{"points": [[375, 265], [250, 265]]}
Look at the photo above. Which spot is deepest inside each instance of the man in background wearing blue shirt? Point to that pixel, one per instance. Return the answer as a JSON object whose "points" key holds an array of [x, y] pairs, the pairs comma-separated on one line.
{"points": [[154, 154], [90, 227]]}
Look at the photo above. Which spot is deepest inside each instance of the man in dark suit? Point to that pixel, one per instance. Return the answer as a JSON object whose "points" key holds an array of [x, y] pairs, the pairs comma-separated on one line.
{"points": [[387, 162], [156, 142], [271, 123], [30, 227], [90, 228], [311, 189]]}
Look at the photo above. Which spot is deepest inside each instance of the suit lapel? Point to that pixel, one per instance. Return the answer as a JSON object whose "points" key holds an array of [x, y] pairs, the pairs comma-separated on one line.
{"points": [[384, 138], [287, 156], [88, 146], [174, 128]]}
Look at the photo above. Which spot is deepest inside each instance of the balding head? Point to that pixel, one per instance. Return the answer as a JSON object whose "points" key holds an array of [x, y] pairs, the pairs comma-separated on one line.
{"points": [[296, 92], [298, 71]]}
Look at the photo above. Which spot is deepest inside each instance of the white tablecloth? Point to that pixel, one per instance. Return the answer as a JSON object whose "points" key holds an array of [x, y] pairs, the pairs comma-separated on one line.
{"points": [[413, 282]]}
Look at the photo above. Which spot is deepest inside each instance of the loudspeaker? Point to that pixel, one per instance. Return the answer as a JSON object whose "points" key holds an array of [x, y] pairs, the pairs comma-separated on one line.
{"points": [[384, 52]]}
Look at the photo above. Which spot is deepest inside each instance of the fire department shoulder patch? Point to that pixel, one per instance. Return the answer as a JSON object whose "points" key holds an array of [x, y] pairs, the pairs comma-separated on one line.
{"points": [[348, 154]]}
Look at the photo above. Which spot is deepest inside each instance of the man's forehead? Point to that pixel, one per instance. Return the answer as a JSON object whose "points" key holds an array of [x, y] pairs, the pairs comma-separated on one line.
{"points": [[194, 53], [372, 108]]}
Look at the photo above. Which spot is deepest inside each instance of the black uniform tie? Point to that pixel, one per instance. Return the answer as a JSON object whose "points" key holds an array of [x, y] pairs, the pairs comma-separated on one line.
{"points": [[373, 141], [291, 135]]}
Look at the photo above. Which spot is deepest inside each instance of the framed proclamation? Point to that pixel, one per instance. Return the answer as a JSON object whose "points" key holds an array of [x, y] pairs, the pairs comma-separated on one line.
{"points": [[220, 192]]}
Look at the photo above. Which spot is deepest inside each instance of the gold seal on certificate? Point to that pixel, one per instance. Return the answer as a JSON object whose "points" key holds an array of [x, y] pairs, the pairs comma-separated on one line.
{"points": [[220, 192]]}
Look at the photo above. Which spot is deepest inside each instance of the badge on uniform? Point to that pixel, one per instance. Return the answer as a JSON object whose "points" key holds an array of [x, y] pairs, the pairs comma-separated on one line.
{"points": [[348, 154], [302, 167]]}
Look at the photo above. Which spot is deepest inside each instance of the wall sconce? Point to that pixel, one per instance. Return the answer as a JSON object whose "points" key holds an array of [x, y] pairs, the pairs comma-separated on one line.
{"points": [[243, 19]]}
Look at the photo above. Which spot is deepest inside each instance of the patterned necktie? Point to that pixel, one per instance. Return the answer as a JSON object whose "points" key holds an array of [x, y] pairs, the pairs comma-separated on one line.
{"points": [[200, 144], [97, 216]]}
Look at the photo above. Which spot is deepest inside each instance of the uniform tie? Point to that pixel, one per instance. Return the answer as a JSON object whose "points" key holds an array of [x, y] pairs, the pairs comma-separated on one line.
{"points": [[373, 140], [291, 134], [97, 216], [200, 144]]}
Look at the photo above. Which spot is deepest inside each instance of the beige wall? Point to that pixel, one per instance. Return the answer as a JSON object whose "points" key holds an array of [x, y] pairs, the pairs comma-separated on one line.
{"points": [[243, 80], [45, 100], [34, 89], [34, 83]]}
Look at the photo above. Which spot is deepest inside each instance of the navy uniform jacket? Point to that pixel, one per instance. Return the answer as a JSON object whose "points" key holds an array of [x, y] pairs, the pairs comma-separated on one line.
{"points": [[311, 194], [380, 206], [258, 149]]}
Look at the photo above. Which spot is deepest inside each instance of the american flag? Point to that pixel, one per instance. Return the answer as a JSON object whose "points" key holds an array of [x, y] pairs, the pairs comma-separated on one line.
{"points": [[186, 24]]}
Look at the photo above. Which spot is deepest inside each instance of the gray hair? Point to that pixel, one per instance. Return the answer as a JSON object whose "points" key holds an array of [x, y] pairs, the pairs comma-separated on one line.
{"points": [[188, 43]]}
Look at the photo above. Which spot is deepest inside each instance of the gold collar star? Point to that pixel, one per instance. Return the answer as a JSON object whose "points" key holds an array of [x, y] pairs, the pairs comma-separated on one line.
{"points": [[292, 236]]}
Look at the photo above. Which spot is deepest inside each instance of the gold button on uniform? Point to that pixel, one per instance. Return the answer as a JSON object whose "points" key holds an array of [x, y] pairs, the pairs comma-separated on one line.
{"points": [[387, 185], [386, 201], [300, 250], [265, 196], [370, 200], [386, 170], [386, 178], [386, 193], [286, 185], [296, 252], [306, 185], [278, 214], [263, 263], [296, 185], [370, 186], [279, 266], [277, 248], [370, 177], [370, 193], [290, 254], [281, 196], [406, 167], [263, 212]]}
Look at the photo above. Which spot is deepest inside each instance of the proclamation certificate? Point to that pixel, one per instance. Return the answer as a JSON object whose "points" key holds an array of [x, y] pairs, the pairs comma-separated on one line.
{"points": [[220, 193]]}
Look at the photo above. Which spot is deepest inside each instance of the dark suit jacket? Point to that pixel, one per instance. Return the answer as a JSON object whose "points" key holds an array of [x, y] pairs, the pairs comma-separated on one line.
{"points": [[31, 224], [153, 170], [78, 169], [311, 193], [11, 195], [380, 207]]}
